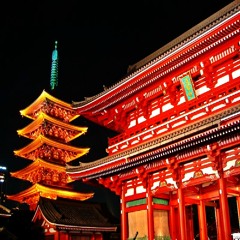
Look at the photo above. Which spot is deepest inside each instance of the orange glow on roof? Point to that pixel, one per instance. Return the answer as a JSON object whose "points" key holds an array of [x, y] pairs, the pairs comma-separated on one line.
{"points": [[37, 190], [39, 163], [38, 103], [41, 140], [43, 118]]}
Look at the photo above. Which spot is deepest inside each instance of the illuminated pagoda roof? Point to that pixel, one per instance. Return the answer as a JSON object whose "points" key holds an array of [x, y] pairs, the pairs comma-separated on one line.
{"points": [[50, 150], [35, 172], [32, 195], [74, 215], [50, 105], [49, 126]]}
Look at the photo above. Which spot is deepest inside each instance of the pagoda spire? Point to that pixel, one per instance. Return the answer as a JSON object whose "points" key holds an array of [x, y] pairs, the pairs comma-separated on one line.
{"points": [[54, 68]]}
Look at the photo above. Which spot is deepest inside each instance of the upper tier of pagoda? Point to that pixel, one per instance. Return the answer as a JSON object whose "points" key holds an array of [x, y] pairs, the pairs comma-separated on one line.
{"points": [[53, 128], [51, 106]]}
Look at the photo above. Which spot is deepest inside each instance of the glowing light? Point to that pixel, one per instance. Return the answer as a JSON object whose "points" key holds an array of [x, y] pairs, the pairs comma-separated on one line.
{"points": [[3, 168]]}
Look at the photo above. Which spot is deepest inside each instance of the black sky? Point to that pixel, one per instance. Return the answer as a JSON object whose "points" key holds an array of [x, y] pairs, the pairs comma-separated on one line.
{"points": [[97, 41]]}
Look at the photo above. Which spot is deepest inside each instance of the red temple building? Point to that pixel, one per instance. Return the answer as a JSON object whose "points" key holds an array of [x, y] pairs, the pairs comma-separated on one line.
{"points": [[177, 147], [58, 207]]}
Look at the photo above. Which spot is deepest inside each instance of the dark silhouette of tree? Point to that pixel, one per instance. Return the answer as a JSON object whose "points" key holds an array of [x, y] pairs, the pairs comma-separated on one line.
{"points": [[21, 225]]}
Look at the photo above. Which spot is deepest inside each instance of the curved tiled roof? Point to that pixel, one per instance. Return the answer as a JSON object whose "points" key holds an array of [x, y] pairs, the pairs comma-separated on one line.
{"points": [[38, 103], [32, 194], [108, 96], [65, 213]]}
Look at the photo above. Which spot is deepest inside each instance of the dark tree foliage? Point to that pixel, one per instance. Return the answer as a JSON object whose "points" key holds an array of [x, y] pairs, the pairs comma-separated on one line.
{"points": [[21, 225]]}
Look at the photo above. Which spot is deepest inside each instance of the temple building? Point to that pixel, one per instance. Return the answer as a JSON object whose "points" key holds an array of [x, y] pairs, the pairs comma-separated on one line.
{"points": [[58, 207], [177, 147]]}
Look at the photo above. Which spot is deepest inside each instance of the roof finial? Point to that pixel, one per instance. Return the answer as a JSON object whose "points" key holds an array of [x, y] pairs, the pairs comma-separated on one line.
{"points": [[54, 68]]}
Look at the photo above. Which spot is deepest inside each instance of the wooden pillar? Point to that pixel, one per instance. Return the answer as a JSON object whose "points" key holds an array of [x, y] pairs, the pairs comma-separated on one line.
{"points": [[182, 214], [202, 220], [189, 221], [92, 236], [56, 236], [172, 220], [99, 236], [218, 223], [124, 224], [223, 204], [66, 236], [62, 236], [150, 211]]}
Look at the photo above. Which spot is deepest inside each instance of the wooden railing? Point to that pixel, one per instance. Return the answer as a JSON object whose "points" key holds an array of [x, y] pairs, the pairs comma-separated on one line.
{"points": [[211, 102]]}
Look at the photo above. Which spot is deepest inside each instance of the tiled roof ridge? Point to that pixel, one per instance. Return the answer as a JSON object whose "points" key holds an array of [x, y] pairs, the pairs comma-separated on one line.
{"points": [[152, 144], [168, 151], [70, 213], [176, 43], [193, 32], [48, 207]]}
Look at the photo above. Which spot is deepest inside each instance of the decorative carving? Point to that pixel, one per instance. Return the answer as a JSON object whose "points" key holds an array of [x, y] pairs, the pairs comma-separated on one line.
{"points": [[50, 153], [173, 94], [113, 183], [173, 167], [142, 175], [54, 110], [213, 152], [207, 72], [198, 174], [163, 183]]}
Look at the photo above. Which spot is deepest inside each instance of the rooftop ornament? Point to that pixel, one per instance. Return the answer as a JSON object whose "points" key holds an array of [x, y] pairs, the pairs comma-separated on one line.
{"points": [[54, 68]]}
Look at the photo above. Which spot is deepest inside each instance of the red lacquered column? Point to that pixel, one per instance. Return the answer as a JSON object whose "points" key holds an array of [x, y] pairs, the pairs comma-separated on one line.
{"points": [[223, 203], [182, 214], [202, 220], [150, 212], [123, 215]]}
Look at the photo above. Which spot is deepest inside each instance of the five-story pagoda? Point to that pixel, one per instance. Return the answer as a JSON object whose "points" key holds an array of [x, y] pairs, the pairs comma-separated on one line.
{"points": [[49, 151]]}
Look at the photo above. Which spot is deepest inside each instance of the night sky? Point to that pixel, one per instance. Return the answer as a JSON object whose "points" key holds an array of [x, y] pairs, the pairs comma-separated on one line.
{"points": [[97, 41]]}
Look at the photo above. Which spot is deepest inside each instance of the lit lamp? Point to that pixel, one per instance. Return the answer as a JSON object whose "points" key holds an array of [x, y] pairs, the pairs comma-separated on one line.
{"points": [[2, 177], [2, 180], [3, 168]]}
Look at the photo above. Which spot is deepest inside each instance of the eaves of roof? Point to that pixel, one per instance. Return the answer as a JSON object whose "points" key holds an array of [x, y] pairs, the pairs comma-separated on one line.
{"points": [[156, 61], [150, 151], [74, 215]]}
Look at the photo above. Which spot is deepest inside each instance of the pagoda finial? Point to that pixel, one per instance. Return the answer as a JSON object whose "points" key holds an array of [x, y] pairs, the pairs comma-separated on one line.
{"points": [[54, 68]]}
